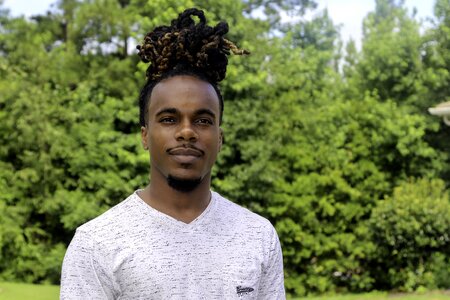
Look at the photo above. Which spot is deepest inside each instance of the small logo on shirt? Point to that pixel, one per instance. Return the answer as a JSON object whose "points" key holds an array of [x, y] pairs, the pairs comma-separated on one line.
{"points": [[240, 290]]}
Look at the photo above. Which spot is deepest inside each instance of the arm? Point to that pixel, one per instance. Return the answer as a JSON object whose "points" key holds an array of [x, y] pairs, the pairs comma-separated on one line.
{"points": [[84, 273], [272, 279]]}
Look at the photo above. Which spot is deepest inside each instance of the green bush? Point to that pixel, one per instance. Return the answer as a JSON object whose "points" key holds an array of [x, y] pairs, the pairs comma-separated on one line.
{"points": [[411, 231]]}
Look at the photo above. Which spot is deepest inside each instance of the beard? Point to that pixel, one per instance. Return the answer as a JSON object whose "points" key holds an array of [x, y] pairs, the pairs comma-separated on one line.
{"points": [[183, 185]]}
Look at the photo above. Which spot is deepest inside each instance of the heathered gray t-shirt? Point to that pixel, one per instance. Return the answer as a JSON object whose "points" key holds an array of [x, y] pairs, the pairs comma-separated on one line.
{"points": [[133, 251]]}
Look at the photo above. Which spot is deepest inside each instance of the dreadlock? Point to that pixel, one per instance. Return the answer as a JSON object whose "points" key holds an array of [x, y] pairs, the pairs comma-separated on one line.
{"points": [[185, 48]]}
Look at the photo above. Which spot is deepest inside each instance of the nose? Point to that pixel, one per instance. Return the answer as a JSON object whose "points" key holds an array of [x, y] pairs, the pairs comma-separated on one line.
{"points": [[186, 132]]}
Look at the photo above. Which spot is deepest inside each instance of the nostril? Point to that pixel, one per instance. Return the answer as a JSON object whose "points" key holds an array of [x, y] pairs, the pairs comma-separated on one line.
{"points": [[186, 133]]}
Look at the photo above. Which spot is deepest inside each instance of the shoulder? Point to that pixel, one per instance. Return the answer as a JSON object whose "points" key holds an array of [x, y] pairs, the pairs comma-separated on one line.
{"points": [[239, 216], [114, 219], [250, 229]]}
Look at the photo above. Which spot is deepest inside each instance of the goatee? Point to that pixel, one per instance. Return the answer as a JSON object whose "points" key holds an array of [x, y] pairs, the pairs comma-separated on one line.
{"points": [[183, 185]]}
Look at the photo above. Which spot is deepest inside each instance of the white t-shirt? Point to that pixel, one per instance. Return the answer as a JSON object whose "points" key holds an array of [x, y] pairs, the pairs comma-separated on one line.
{"points": [[133, 251]]}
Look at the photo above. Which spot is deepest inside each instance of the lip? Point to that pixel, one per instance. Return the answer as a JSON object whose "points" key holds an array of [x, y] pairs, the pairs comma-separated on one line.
{"points": [[185, 152], [185, 155]]}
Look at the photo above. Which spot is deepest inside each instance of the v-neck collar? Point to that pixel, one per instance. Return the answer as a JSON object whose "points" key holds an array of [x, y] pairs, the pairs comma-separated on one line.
{"points": [[165, 218]]}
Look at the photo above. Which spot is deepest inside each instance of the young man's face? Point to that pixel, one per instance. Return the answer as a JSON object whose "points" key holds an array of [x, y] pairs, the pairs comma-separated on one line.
{"points": [[183, 133]]}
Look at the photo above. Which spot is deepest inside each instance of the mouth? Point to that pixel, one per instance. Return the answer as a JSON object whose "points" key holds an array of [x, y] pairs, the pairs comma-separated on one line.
{"points": [[185, 155]]}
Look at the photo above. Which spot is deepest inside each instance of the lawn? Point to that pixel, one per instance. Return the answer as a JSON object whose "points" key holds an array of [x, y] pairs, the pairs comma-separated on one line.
{"points": [[19, 291], [436, 295]]}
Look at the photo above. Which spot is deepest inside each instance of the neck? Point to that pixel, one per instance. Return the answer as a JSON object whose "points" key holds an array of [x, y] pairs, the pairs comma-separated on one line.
{"points": [[183, 206]]}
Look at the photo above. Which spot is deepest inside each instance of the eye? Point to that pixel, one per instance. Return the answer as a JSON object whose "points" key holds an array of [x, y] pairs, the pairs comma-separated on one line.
{"points": [[204, 121], [167, 120]]}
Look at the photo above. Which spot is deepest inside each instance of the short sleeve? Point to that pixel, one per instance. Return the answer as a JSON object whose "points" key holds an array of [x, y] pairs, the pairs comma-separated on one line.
{"points": [[272, 279], [84, 271]]}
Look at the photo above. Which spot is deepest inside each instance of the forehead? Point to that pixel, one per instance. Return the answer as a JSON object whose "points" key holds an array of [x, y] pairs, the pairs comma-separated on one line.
{"points": [[184, 93]]}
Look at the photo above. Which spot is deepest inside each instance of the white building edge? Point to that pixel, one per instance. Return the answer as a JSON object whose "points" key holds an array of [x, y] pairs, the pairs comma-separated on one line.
{"points": [[442, 110]]}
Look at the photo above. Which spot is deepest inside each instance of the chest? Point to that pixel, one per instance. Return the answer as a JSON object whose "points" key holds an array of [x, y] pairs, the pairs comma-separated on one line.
{"points": [[189, 265]]}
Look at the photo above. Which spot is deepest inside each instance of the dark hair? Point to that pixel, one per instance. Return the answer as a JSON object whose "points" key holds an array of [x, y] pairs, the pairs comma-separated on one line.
{"points": [[185, 48]]}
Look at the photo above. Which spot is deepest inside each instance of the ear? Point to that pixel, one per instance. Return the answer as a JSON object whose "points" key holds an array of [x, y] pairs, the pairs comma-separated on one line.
{"points": [[221, 139], [144, 137]]}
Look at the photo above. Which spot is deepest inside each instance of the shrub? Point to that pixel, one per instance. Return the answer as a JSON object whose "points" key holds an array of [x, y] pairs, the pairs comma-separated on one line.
{"points": [[411, 231]]}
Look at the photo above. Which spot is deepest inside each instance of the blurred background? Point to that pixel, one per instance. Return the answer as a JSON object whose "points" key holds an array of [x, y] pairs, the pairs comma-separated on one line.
{"points": [[326, 125]]}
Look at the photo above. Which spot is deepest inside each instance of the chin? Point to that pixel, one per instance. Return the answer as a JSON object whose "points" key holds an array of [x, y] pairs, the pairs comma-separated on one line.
{"points": [[183, 184], [187, 174]]}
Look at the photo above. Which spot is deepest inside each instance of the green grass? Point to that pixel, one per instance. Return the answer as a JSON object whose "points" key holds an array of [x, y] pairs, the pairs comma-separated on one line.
{"points": [[21, 291], [436, 295]]}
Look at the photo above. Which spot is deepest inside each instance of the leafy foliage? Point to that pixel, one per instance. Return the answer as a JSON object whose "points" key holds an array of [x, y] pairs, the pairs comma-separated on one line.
{"points": [[406, 228], [347, 165]]}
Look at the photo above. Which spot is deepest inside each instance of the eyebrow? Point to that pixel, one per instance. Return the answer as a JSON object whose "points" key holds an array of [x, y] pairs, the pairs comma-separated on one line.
{"points": [[171, 110], [167, 111], [205, 111]]}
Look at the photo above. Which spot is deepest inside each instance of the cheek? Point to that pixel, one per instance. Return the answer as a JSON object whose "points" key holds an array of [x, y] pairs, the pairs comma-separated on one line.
{"points": [[156, 142], [215, 144]]}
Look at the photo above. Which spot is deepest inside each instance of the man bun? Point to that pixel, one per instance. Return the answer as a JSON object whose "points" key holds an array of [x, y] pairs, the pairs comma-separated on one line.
{"points": [[187, 45]]}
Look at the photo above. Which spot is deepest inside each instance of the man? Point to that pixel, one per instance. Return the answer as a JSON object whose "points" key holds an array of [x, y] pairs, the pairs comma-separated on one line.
{"points": [[176, 239]]}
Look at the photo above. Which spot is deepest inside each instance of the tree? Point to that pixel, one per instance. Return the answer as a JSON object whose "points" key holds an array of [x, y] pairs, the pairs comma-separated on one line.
{"points": [[436, 76], [60, 122], [390, 63], [312, 149]]}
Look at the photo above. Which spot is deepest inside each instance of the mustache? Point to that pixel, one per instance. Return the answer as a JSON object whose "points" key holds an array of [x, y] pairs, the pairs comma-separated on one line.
{"points": [[184, 147]]}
